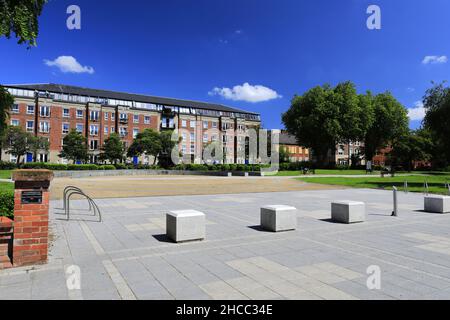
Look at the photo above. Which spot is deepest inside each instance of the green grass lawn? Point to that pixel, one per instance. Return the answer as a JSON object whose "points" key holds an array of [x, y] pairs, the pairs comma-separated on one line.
{"points": [[6, 186], [325, 172], [436, 182], [5, 174]]}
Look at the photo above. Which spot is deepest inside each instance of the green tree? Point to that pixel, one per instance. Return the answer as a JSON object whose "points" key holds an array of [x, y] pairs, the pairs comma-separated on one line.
{"points": [[74, 147], [437, 121], [390, 123], [410, 147], [6, 101], [313, 120], [284, 154], [37, 144], [167, 145], [21, 18], [113, 150], [16, 142], [325, 116], [147, 142]]}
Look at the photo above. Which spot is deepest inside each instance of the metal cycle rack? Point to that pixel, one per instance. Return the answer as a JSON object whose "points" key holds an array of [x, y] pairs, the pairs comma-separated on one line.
{"points": [[426, 188], [69, 192]]}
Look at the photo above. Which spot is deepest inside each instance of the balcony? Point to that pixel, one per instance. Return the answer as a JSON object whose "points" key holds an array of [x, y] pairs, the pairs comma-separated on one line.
{"points": [[123, 120]]}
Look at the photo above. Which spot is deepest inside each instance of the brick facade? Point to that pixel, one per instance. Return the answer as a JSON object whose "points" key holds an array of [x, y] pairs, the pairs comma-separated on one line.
{"points": [[46, 114]]}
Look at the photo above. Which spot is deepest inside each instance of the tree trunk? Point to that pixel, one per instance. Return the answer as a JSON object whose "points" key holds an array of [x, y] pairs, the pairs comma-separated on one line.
{"points": [[18, 161]]}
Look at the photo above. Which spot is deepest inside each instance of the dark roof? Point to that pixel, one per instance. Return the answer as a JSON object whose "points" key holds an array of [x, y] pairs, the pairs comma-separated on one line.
{"points": [[287, 139], [67, 89]]}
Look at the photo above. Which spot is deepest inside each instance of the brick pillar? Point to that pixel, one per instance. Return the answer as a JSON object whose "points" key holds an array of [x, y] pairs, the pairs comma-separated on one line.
{"points": [[31, 204], [6, 233]]}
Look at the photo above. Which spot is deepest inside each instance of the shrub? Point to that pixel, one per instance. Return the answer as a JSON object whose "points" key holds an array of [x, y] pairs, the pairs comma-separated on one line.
{"points": [[7, 204], [7, 165], [42, 165], [56, 166], [82, 167], [109, 167], [120, 166], [33, 165]]}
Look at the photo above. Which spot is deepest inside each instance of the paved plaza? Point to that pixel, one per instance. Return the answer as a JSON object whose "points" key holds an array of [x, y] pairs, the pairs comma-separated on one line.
{"points": [[127, 256]]}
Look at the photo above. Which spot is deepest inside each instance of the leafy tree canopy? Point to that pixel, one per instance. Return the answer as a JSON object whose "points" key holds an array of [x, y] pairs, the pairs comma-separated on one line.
{"points": [[390, 123], [113, 149], [16, 142], [6, 101], [21, 18], [324, 116], [437, 118], [74, 147], [147, 142]]}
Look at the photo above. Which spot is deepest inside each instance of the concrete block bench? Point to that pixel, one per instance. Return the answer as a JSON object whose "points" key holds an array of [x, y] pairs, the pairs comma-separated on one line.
{"points": [[348, 211], [437, 204], [279, 218], [185, 225]]}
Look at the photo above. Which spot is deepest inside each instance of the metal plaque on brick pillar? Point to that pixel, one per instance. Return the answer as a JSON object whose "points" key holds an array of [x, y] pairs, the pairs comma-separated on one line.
{"points": [[31, 205]]}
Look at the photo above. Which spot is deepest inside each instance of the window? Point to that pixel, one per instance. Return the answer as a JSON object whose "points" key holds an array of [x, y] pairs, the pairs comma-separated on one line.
{"points": [[205, 124], [106, 130], [65, 128], [30, 126], [45, 111], [123, 117], [192, 148], [94, 115], [15, 123], [80, 114], [147, 120], [123, 132], [44, 127], [43, 157], [214, 124], [183, 123], [15, 108], [136, 118], [183, 149], [213, 138], [135, 133], [93, 130], [184, 136], [80, 128], [113, 129], [106, 115], [66, 113], [113, 116], [30, 109], [192, 137], [93, 144], [192, 124], [205, 138]]}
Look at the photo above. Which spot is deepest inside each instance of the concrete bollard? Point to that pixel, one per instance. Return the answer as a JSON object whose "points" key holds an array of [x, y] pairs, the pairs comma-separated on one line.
{"points": [[395, 212]]}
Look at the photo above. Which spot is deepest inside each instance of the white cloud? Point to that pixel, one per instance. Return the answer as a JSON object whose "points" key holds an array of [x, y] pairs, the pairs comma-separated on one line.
{"points": [[417, 113], [434, 59], [246, 92], [410, 89], [68, 64]]}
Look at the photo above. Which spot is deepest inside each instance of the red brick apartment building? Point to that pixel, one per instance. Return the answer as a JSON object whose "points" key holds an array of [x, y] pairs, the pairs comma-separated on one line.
{"points": [[296, 152], [52, 110]]}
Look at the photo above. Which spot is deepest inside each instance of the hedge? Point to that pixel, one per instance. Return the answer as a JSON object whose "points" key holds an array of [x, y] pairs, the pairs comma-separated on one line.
{"points": [[7, 165], [7, 204]]}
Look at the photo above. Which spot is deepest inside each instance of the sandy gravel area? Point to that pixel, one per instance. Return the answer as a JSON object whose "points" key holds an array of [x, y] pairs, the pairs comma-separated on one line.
{"points": [[147, 186]]}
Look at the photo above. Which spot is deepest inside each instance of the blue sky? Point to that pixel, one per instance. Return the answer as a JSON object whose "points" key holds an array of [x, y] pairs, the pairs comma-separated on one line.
{"points": [[187, 48]]}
